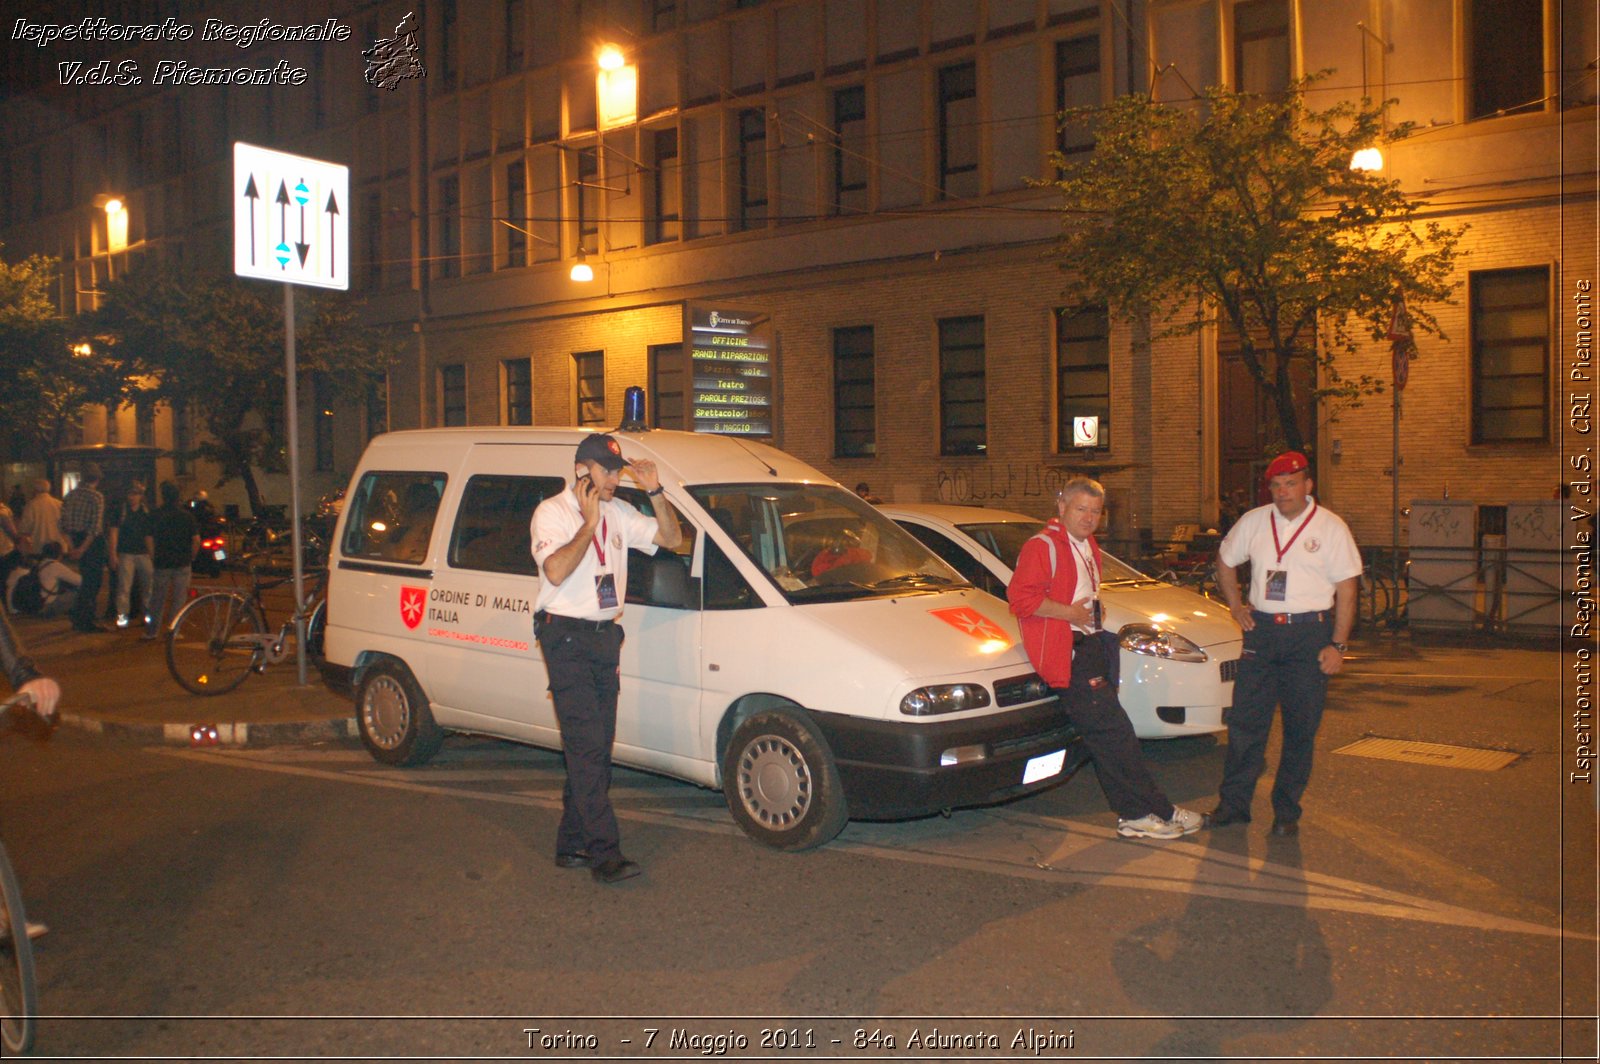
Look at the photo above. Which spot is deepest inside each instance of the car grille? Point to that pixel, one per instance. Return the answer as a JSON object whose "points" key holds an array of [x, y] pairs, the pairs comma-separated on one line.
{"points": [[1230, 670]]}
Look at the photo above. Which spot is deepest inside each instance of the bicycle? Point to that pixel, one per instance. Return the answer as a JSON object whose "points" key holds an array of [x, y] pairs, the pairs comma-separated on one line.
{"points": [[220, 638], [19, 993]]}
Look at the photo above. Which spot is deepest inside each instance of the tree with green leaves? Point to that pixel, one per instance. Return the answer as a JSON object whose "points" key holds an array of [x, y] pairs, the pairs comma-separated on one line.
{"points": [[215, 344], [1241, 211], [47, 374]]}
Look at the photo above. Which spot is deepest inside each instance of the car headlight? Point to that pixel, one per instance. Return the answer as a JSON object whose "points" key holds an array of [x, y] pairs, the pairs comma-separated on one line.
{"points": [[944, 698], [1158, 643]]}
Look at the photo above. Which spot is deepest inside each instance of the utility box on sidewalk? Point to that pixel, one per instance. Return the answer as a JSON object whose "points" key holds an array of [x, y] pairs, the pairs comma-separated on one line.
{"points": [[1534, 560], [1442, 581]]}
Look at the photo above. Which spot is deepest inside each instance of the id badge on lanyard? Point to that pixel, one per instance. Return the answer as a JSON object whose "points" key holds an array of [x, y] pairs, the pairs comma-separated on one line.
{"points": [[605, 584]]}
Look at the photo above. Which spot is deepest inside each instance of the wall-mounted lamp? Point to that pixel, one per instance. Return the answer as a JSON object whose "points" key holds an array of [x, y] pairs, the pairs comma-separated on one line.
{"points": [[1370, 159], [581, 270], [1367, 159]]}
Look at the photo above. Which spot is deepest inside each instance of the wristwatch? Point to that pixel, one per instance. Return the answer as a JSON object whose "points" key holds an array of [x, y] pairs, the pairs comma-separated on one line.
{"points": [[658, 491], [1340, 647]]}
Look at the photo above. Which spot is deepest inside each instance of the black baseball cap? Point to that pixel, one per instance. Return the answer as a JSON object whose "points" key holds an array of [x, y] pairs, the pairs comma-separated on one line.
{"points": [[603, 449]]}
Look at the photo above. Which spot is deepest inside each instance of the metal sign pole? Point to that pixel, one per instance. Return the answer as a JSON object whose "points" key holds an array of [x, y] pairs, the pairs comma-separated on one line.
{"points": [[292, 399]]}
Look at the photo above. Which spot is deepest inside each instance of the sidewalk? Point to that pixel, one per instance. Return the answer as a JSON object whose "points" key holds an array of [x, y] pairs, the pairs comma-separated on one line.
{"points": [[117, 686]]}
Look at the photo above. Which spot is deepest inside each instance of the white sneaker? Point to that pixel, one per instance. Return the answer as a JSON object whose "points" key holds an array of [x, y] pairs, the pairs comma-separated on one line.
{"points": [[1187, 819], [1150, 826]]}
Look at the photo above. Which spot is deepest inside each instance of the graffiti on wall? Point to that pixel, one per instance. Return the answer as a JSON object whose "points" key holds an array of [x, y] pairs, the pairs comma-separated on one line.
{"points": [[1013, 481]]}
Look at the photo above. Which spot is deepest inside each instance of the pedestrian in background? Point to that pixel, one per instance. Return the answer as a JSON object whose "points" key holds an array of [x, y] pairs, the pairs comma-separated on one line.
{"points": [[176, 541], [132, 543], [83, 519], [1055, 593], [581, 540], [1304, 568], [41, 519]]}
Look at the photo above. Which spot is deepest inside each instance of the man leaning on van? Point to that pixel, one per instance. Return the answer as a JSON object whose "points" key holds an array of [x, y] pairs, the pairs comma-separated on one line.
{"points": [[581, 540]]}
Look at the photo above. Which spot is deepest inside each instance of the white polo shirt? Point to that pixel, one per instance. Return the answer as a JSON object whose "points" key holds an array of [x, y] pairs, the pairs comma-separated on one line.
{"points": [[1317, 552], [556, 521]]}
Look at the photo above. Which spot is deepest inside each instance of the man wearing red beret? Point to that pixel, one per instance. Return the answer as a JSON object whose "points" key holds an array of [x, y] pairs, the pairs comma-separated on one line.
{"points": [[1304, 568]]}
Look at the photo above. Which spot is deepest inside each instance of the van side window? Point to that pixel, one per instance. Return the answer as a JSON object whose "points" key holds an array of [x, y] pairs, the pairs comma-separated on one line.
{"points": [[492, 522], [662, 578], [724, 588], [391, 516]]}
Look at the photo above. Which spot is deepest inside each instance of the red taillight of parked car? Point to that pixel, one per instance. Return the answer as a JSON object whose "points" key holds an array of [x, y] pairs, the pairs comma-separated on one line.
{"points": [[215, 547]]}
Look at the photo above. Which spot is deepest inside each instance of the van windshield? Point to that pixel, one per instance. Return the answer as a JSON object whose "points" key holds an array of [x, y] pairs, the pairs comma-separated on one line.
{"points": [[820, 543]]}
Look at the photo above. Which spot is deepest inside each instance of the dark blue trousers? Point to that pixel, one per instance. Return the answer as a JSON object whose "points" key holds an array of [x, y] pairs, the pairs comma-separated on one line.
{"points": [[1091, 704], [582, 663], [92, 567], [1277, 668]]}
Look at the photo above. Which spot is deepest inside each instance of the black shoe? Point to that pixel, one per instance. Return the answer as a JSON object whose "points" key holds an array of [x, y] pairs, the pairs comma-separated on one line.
{"points": [[1286, 827], [614, 870], [574, 860], [1222, 816]]}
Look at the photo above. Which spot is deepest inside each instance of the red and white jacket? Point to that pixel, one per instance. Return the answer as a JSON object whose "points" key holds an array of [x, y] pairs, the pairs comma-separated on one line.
{"points": [[1048, 640]]}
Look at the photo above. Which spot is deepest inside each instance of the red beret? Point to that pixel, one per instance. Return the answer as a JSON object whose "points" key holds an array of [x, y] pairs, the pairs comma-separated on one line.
{"points": [[1287, 462]]}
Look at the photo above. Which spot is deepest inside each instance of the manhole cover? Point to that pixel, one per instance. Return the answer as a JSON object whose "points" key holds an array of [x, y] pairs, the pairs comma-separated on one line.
{"points": [[1430, 753]]}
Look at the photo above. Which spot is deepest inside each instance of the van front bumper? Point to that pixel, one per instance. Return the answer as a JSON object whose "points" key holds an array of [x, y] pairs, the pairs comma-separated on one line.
{"points": [[892, 769]]}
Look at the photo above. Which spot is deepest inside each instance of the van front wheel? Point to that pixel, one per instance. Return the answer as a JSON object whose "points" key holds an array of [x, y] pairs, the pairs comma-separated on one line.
{"points": [[781, 783], [392, 713]]}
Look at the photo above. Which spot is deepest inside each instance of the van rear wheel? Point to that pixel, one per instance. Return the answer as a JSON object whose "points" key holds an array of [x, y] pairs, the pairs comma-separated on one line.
{"points": [[781, 783], [392, 713]]}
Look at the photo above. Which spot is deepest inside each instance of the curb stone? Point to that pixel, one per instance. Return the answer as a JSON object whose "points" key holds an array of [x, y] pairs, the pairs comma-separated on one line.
{"points": [[234, 733]]}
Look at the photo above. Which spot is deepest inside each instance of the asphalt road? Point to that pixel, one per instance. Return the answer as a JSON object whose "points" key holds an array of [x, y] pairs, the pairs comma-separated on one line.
{"points": [[306, 901]]}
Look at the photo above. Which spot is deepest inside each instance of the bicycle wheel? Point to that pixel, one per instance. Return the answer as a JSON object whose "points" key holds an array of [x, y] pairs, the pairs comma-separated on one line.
{"points": [[208, 649], [19, 995], [316, 624]]}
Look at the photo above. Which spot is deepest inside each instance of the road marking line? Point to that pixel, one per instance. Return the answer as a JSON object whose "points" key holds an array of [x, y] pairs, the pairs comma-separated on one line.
{"points": [[1099, 856]]}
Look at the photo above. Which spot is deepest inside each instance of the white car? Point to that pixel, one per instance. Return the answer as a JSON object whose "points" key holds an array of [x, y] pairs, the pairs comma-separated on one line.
{"points": [[1180, 650]]}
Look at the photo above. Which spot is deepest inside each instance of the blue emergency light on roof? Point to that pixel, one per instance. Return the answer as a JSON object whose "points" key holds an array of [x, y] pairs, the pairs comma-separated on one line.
{"points": [[633, 410]]}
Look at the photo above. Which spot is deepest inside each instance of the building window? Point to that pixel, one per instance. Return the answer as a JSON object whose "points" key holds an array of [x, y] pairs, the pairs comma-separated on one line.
{"points": [[663, 15], [182, 437], [513, 35], [1077, 85], [665, 187], [667, 385], [850, 150], [144, 424], [453, 395], [322, 421], [963, 407], [1261, 46], [516, 214], [958, 130], [1083, 379], [588, 201], [1510, 355], [519, 391], [447, 45], [591, 394], [1506, 53], [377, 404], [373, 212], [854, 401], [752, 167], [449, 218]]}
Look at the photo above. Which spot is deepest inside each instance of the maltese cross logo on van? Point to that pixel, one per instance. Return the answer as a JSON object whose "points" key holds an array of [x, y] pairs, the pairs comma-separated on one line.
{"points": [[973, 623], [413, 600]]}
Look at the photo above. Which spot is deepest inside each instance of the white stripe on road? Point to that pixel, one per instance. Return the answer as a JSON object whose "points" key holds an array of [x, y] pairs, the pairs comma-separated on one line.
{"points": [[1037, 848]]}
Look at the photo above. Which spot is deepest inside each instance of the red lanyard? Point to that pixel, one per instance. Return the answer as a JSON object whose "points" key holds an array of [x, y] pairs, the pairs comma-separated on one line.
{"points": [[600, 542], [1284, 548], [1088, 565]]}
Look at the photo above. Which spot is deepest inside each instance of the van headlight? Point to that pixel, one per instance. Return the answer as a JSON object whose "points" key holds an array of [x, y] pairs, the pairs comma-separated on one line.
{"points": [[944, 698], [1148, 639]]}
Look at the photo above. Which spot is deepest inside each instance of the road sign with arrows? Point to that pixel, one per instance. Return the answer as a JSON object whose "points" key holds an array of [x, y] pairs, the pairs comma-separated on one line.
{"points": [[290, 218]]}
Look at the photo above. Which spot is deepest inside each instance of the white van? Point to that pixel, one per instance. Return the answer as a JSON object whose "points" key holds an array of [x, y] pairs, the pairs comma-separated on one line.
{"points": [[799, 650]]}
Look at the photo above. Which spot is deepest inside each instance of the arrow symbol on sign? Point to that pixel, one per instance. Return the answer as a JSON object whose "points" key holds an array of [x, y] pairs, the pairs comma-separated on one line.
{"points": [[332, 210], [252, 195], [282, 200], [302, 196]]}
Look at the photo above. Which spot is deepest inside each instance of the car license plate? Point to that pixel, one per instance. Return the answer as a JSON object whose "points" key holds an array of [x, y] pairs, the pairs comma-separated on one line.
{"points": [[1044, 766], [220, 555]]}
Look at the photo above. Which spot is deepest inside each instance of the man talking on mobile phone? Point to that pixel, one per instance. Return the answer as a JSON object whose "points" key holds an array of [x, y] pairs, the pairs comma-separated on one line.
{"points": [[581, 540]]}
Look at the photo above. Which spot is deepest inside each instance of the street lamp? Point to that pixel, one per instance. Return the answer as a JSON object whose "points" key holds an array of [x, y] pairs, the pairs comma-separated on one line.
{"points": [[581, 270]]}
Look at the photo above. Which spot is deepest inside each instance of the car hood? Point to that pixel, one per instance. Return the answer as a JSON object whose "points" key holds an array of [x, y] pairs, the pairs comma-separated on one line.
{"points": [[1195, 617], [926, 636]]}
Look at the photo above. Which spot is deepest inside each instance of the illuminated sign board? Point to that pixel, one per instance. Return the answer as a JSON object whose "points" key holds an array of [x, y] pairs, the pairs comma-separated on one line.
{"points": [[731, 366]]}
